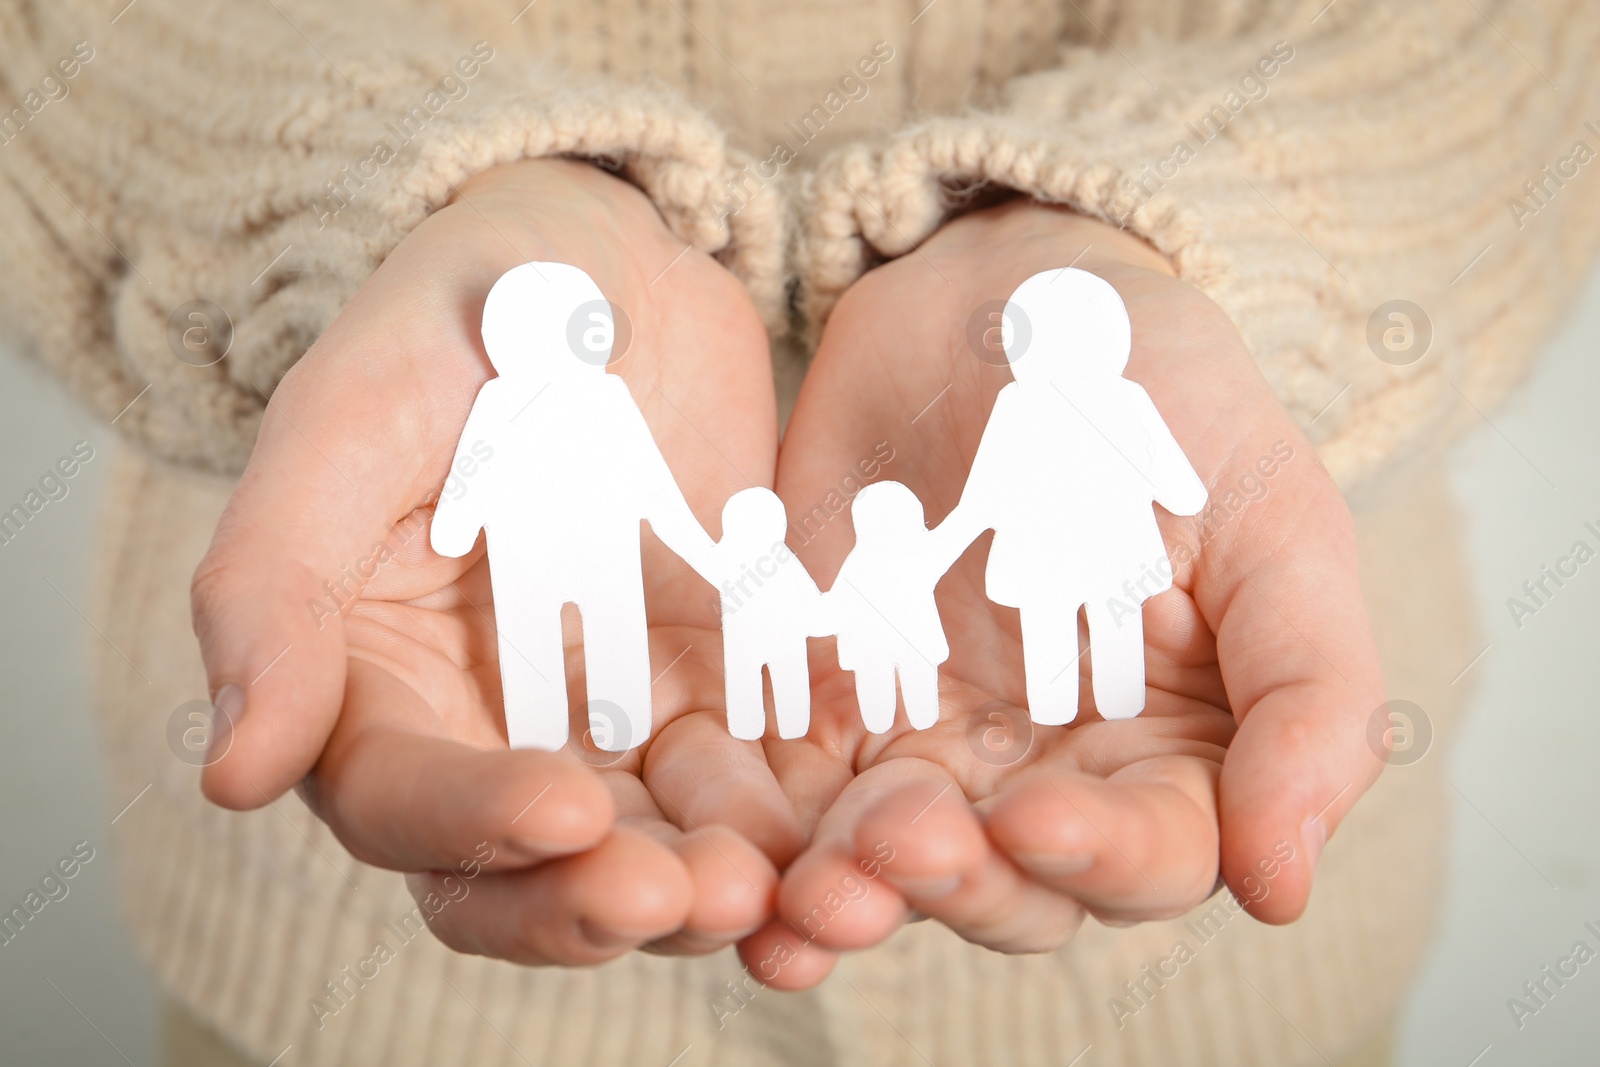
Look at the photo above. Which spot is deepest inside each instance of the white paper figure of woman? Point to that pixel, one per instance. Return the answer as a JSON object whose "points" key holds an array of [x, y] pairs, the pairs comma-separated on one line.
{"points": [[1069, 464], [770, 605], [883, 609], [574, 471]]}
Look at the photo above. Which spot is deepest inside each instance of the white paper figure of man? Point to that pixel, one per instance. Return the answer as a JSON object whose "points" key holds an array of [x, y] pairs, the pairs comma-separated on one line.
{"points": [[770, 605], [573, 473], [1069, 464], [883, 609]]}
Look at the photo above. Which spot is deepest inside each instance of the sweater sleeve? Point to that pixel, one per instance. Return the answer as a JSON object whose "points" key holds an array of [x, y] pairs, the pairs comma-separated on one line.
{"points": [[184, 180], [1392, 202]]}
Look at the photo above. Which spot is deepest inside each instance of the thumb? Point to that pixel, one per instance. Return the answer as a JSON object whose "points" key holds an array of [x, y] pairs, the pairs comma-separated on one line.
{"points": [[336, 465], [1298, 657]]}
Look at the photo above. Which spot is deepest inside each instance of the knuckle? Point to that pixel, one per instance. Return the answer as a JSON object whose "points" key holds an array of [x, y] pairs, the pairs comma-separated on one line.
{"points": [[207, 589]]}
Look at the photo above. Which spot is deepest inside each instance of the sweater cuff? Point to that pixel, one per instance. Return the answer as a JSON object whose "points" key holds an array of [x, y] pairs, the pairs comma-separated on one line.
{"points": [[1285, 181], [669, 150], [867, 205], [182, 330], [1103, 157]]}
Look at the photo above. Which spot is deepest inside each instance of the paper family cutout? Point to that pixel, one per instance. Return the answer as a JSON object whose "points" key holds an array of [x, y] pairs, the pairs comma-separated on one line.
{"points": [[1067, 468]]}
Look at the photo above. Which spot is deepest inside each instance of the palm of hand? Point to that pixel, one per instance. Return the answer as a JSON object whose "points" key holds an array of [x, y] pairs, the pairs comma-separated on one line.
{"points": [[1007, 831], [397, 699], [397, 706]]}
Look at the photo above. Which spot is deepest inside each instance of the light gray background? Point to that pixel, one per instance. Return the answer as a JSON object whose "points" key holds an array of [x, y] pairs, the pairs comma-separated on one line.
{"points": [[1525, 851]]}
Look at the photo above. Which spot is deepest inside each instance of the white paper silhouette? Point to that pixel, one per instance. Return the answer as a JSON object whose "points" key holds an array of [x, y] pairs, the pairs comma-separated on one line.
{"points": [[883, 608], [770, 605], [1068, 465], [574, 470]]}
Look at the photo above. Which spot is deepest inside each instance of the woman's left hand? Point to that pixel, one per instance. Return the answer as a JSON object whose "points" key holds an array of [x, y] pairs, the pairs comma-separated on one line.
{"points": [[1261, 669]]}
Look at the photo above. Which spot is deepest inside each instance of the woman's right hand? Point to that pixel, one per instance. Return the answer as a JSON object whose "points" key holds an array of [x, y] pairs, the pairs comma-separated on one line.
{"points": [[383, 703]]}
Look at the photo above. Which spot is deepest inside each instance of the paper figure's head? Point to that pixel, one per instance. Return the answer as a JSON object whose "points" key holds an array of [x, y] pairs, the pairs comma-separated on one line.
{"points": [[534, 326], [886, 510], [1067, 323], [754, 516]]}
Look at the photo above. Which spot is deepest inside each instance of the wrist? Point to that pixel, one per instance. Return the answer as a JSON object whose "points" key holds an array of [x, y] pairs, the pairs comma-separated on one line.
{"points": [[571, 211], [1036, 235], [565, 191], [546, 173]]}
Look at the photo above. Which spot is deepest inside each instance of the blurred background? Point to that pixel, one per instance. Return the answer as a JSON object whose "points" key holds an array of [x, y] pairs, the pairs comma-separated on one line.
{"points": [[1524, 763]]}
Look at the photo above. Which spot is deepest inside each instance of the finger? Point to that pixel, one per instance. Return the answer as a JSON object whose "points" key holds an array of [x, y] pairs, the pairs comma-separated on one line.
{"points": [[735, 887], [777, 956], [300, 536], [411, 802], [814, 771], [1302, 675], [831, 895], [404, 787], [947, 868], [414, 573], [700, 776], [734, 883], [580, 910], [1139, 845]]}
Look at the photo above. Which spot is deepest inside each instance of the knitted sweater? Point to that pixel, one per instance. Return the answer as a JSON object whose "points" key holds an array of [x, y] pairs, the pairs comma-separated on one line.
{"points": [[1332, 160], [1304, 164]]}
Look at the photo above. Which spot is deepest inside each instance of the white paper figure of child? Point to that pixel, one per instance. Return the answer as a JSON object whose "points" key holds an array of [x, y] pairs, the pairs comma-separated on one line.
{"points": [[770, 605], [1068, 466], [573, 473], [883, 609]]}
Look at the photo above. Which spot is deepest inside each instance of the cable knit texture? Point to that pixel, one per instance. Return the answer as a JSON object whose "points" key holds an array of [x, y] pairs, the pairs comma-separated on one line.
{"points": [[226, 152], [212, 152], [1326, 168]]}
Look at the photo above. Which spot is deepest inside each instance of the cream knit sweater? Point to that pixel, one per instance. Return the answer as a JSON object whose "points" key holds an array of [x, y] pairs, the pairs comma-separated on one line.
{"points": [[1303, 164]]}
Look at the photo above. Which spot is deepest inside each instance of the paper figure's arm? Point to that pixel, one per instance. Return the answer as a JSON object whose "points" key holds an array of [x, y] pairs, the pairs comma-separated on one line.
{"points": [[665, 508], [818, 603], [974, 512], [680, 531], [951, 537], [826, 615], [1177, 487], [456, 521]]}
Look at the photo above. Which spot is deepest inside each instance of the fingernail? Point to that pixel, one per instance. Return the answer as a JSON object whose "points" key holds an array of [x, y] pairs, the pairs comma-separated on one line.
{"points": [[1313, 835], [602, 936], [230, 706], [929, 888], [1056, 864]]}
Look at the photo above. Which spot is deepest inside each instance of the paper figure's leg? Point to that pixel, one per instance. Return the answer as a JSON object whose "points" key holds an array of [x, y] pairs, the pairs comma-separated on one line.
{"points": [[1116, 651], [747, 711], [919, 685], [533, 669], [791, 690], [1050, 663], [616, 659], [875, 695]]}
